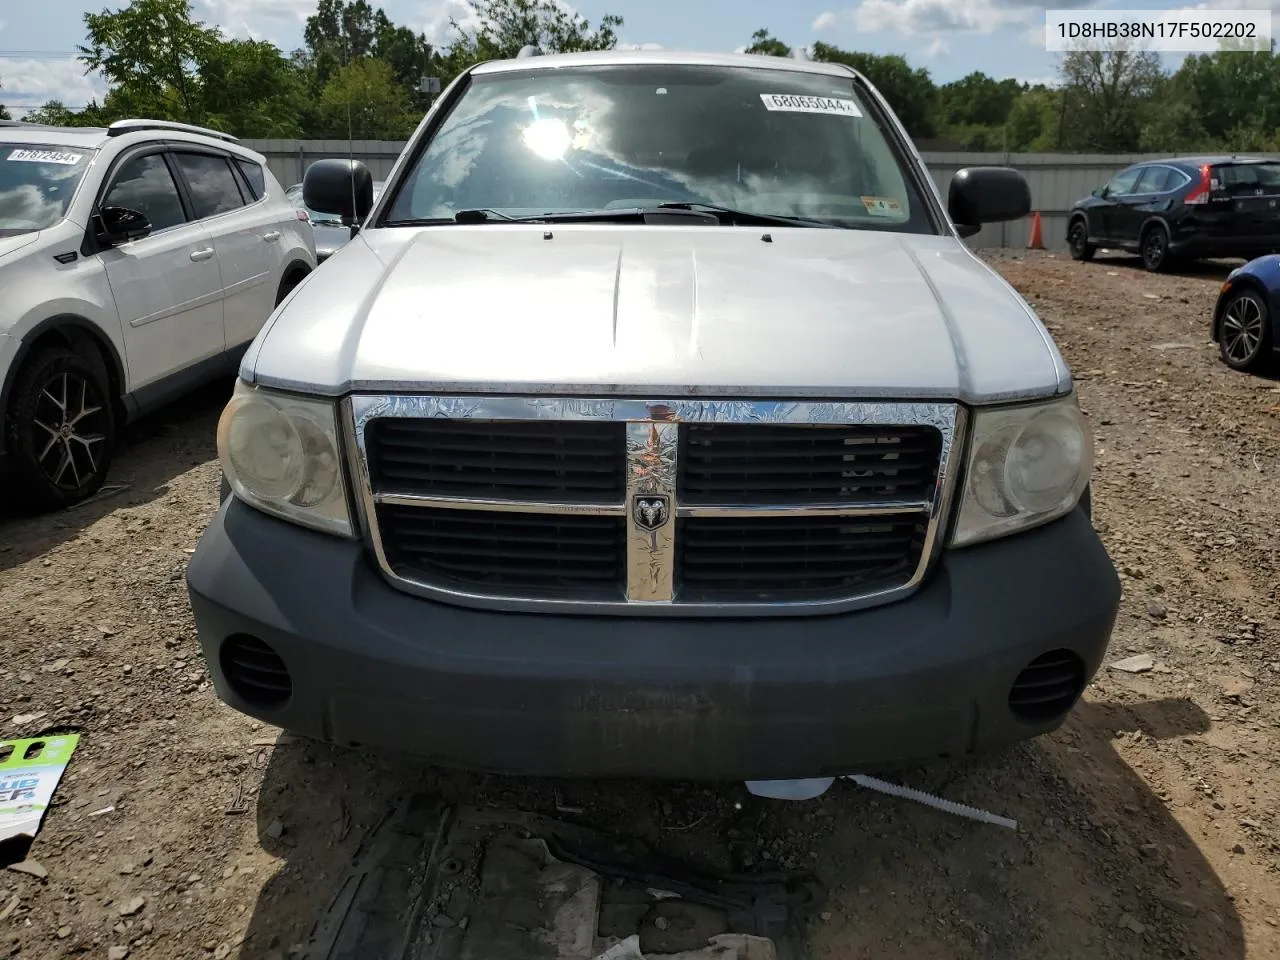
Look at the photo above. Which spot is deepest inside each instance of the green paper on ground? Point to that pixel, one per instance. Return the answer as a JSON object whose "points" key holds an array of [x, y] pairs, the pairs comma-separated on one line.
{"points": [[29, 773]]}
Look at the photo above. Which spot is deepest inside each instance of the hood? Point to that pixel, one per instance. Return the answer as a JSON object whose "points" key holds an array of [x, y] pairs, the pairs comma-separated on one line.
{"points": [[10, 245], [658, 310]]}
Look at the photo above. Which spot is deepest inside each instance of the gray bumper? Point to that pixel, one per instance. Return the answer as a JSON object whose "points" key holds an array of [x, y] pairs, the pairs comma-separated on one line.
{"points": [[551, 695]]}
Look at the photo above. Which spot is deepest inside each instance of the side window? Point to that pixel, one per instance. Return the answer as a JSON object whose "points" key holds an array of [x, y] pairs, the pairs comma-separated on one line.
{"points": [[253, 174], [1122, 183], [145, 184], [211, 183], [1154, 180]]}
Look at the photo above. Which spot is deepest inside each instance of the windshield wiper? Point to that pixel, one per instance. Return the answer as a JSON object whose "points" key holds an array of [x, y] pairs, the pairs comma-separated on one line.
{"points": [[746, 216]]}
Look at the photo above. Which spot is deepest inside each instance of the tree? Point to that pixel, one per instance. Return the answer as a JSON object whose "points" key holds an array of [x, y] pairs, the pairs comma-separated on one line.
{"points": [[911, 93], [1232, 95], [977, 100], [364, 100], [508, 25], [150, 52], [765, 43], [1033, 121], [249, 89], [4, 114], [1107, 94]]}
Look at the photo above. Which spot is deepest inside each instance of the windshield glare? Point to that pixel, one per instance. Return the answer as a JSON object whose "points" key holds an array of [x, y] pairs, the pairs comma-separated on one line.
{"points": [[37, 182], [782, 143]]}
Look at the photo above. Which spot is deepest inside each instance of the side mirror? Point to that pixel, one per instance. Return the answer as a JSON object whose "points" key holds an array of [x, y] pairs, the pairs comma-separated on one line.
{"points": [[981, 195], [344, 187], [120, 225]]}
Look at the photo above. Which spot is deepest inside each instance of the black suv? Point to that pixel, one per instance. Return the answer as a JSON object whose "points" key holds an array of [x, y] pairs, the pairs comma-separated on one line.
{"points": [[1182, 209]]}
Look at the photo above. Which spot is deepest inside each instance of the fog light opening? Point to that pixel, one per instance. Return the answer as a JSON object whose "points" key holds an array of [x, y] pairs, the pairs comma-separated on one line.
{"points": [[1048, 687], [255, 672]]}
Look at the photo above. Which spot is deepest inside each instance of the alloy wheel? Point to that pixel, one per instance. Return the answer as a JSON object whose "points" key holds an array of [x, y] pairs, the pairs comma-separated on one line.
{"points": [[1242, 329], [70, 429]]}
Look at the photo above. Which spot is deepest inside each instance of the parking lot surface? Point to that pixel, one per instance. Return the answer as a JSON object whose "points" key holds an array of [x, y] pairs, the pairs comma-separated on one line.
{"points": [[1148, 826]]}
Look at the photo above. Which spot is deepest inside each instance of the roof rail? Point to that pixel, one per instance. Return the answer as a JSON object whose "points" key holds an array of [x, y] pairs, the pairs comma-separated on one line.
{"points": [[121, 127]]}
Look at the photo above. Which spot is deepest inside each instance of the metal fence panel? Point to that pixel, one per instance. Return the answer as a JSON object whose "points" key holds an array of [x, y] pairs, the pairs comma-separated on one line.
{"points": [[1057, 180]]}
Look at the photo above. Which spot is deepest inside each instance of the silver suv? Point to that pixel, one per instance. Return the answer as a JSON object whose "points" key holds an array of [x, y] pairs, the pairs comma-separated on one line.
{"points": [[136, 262], [657, 422]]}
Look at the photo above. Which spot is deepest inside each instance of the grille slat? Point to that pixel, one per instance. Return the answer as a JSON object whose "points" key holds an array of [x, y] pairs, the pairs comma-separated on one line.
{"points": [[556, 461], [569, 557], [757, 464], [824, 557]]}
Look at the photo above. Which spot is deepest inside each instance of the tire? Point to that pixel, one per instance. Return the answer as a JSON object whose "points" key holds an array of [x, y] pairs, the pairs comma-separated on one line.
{"points": [[1244, 332], [1155, 248], [61, 430], [289, 284], [1078, 240]]}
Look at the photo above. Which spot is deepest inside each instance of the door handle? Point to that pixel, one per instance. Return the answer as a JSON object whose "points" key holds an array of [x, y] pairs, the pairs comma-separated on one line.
{"points": [[271, 237], [204, 254]]}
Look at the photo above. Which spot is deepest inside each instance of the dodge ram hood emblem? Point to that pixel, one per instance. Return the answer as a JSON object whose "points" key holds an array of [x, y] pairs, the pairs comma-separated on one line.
{"points": [[651, 512]]}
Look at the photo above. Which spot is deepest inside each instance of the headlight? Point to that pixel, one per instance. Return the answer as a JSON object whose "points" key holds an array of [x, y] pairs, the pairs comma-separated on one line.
{"points": [[280, 453], [1027, 466]]}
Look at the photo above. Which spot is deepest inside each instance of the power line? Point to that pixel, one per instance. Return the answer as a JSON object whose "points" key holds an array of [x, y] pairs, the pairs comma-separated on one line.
{"points": [[38, 55]]}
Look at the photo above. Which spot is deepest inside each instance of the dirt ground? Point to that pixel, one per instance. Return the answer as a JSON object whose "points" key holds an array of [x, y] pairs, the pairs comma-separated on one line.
{"points": [[1149, 825]]}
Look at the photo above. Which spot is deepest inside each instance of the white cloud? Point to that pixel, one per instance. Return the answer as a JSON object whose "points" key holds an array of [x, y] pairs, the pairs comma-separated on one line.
{"points": [[825, 21], [434, 20], [915, 17], [937, 47], [34, 82], [257, 19], [640, 46], [741, 49]]}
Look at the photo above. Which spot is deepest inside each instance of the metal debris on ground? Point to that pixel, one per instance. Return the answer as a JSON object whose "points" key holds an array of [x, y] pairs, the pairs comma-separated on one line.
{"points": [[29, 773], [812, 788], [432, 883]]}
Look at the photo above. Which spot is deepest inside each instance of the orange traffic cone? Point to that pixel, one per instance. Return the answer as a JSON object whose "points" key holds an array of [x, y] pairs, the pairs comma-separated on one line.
{"points": [[1036, 242]]}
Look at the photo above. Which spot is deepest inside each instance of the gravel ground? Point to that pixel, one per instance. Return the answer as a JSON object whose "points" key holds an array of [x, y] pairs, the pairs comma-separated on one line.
{"points": [[1150, 823]]}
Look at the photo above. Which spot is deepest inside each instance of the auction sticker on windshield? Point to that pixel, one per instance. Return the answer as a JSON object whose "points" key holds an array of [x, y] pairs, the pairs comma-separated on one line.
{"points": [[801, 103], [45, 156]]}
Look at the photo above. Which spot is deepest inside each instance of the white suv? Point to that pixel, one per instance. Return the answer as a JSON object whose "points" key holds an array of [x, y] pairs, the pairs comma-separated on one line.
{"points": [[136, 262]]}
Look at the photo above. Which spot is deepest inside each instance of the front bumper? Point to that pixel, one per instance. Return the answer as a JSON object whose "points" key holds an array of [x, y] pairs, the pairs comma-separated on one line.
{"points": [[555, 695]]}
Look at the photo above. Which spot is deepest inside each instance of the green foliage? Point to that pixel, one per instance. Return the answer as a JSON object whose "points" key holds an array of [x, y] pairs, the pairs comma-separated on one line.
{"points": [[763, 42], [364, 99], [911, 93]]}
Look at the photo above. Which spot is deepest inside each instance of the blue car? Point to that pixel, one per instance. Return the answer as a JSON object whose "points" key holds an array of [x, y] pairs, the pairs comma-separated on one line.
{"points": [[1244, 316]]}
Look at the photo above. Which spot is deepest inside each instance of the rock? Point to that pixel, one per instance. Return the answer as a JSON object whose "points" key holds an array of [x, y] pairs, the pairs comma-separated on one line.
{"points": [[275, 830], [223, 951], [31, 868], [117, 953], [826, 916], [133, 906], [64, 932], [660, 923], [22, 719], [1130, 922], [1142, 663], [1157, 610], [1184, 907]]}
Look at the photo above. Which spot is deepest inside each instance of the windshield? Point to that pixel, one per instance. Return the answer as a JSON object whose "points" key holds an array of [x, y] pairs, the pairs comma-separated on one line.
{"points": [[294, 195], [37, 182], [769, 142]]}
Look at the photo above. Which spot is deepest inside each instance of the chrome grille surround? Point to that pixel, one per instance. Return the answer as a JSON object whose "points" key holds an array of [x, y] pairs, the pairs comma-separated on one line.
{"points": [[651, 450]]}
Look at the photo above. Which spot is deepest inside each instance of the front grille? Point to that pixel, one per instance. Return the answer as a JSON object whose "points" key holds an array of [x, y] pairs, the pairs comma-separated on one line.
{"points": [[635, 507], [759, 463], [574, 556], [558, 461]]}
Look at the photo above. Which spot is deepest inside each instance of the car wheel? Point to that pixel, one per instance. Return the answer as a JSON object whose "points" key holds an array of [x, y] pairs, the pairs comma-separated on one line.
{"points": [[1244, 333], [61, 430], [1155, 248], [1078, 241]]}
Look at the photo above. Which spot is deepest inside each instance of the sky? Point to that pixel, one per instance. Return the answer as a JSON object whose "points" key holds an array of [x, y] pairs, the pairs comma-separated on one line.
{"points": [[950, 38]]}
